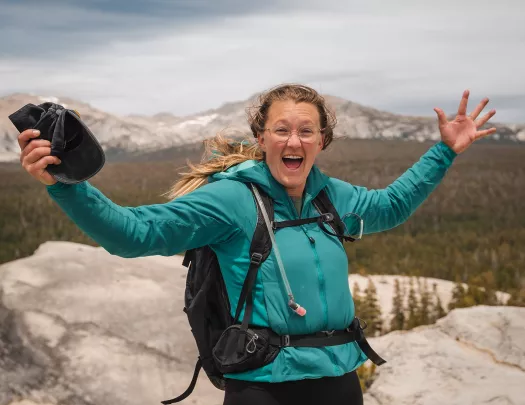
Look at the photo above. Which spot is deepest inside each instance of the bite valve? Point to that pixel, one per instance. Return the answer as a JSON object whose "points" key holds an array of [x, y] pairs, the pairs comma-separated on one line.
{"points": [[299, 310]]}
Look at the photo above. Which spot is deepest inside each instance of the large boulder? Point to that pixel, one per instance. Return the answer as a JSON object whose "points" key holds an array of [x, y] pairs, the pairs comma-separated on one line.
{"points": [[472, 356], [80, 326]]}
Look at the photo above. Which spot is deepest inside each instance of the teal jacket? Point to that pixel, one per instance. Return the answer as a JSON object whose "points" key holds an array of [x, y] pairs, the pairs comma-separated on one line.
{"points": [[222, 214]]}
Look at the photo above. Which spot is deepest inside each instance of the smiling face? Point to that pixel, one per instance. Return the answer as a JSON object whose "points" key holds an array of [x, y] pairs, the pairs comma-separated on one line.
{"points": [[290, 162]]}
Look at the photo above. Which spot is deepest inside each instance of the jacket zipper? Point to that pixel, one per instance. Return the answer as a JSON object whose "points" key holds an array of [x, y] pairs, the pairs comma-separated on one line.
{"points": [[320, 275], [320, 278], [322, 293], [322, 284]]}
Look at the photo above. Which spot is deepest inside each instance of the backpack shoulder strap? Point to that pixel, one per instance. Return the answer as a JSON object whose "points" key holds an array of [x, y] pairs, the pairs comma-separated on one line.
{"points": [[260, 249], [261, 242], [189, 257], [324, 205]]}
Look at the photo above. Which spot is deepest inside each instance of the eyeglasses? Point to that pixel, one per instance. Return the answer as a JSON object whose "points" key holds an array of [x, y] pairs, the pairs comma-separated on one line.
{"points": [[353, 226], [282, 134]]}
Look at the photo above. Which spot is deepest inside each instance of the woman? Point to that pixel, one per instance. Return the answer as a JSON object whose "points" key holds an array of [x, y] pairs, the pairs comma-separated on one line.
{"points": [[292, 126]]}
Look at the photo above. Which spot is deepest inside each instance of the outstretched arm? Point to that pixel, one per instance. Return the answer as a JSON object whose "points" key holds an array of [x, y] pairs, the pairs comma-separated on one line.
{"points": [[387, 208], [196, 219]]}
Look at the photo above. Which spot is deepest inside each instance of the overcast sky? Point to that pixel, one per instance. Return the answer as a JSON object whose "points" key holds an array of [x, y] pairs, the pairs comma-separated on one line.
{"points": [[185, 56]]}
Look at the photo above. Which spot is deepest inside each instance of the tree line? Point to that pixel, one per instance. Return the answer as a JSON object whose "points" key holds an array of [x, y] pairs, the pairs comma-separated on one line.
{"points": [[472, 224], [415, 303]]}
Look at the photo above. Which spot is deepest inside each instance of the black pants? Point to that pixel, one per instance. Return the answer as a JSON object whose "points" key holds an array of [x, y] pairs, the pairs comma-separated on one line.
{"points": [[344, 390]]}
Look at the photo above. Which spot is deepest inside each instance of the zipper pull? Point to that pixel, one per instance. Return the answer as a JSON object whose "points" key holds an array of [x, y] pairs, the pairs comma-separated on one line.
{"points": [[251, 346]]}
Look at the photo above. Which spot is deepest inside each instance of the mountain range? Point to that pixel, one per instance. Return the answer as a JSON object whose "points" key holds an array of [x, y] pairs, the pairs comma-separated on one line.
{"points": [[136, 134]]}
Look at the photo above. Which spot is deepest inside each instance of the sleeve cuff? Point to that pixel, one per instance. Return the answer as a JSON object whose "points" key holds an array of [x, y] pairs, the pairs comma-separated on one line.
{"points": [[448, 154], [58, 187]]}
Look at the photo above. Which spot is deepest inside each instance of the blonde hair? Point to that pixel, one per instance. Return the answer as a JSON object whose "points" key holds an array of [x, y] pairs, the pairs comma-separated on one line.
{"points": [[222, 152]]}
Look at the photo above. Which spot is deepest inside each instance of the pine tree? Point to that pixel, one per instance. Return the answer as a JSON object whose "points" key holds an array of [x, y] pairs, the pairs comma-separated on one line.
{"points": [[425, 310], [372, 310], [472, 296], [517, 298], [458, 297], [367, 374], [413, 307], [358, 299], [490, 288], [438, 311], [398, 310], [486, 293]]}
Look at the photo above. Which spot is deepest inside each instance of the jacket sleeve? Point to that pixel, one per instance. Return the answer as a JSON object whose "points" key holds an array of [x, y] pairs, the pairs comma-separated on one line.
{"points": [[389, 207], [199, 218]]}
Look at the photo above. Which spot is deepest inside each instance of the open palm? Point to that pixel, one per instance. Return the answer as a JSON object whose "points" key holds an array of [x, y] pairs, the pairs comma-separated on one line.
{"points": [[462, 131]]}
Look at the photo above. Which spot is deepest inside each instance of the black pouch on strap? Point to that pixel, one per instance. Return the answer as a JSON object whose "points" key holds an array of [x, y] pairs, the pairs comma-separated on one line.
{"points": [[242, 348], [254, 352], [71, 140]]}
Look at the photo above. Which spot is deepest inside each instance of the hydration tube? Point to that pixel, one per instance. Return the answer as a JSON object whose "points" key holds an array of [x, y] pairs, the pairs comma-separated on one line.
{"points": [[299, 310]]}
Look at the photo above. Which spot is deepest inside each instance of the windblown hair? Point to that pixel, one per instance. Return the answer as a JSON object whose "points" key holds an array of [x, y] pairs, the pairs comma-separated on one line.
{"points": [[222, 152]]}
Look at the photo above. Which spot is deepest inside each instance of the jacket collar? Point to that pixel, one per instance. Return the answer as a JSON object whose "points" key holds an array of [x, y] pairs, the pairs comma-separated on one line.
{"points": [[259, 173]]}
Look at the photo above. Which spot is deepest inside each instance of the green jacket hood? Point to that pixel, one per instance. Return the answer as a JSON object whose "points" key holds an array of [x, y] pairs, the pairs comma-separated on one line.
{"points": [[258, 172]]}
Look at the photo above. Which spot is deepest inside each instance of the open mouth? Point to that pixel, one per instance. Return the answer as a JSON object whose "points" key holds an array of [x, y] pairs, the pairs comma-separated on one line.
{"points": [[293, 162]]}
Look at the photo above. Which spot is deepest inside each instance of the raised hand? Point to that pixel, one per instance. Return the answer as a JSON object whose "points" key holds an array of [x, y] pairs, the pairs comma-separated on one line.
{"points": [[462, 131]]}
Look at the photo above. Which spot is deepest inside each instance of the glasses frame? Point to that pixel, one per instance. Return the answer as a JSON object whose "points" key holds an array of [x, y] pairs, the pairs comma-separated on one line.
{"points": [[319, 131]]}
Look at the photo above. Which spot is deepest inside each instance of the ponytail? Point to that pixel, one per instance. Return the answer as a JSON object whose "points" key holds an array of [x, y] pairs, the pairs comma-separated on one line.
{"points": [[220, 154]]}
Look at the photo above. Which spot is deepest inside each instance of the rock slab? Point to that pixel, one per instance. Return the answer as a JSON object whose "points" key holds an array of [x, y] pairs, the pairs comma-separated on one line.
{"points": [[80, 326]]}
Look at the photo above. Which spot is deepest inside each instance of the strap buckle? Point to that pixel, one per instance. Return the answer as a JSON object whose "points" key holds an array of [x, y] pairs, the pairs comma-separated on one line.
{"points": [[327, 217], [359, 320], [358, 329], [285, 340], [256, 258]]}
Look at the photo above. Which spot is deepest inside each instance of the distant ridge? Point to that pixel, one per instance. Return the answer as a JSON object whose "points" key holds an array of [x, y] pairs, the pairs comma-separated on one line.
{"points": [[140, 134]]}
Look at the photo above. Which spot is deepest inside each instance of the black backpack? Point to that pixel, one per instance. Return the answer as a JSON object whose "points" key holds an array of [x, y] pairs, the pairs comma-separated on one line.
{"points": [[206, 300]]}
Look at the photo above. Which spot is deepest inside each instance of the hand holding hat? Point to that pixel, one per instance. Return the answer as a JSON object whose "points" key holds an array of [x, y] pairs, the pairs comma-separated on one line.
{"points": [[63, 150]]}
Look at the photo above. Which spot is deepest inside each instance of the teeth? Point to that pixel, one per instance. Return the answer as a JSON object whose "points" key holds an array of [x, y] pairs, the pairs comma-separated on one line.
{"points": [[292, 157]]}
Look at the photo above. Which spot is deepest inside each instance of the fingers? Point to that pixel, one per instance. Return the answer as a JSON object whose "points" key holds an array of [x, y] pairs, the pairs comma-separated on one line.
{"points": [[442, 118], [486, 132], [483, 120], [474, 114], [41, 164], [39, 172], [37, 143], [462, 110], [38, 154], [26, 136], [37, 161]]}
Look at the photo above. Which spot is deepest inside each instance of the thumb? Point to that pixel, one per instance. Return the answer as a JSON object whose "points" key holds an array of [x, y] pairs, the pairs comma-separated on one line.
{"points": [[442, 118], [46, 178]]}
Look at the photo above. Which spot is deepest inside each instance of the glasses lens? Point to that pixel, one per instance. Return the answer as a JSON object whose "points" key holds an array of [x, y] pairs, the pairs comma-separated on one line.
{"points": [[309, 138], [305, 134], [308, 134]]}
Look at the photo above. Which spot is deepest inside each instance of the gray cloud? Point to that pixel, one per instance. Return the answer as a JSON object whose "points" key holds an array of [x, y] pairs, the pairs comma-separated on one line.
{"points": [[187, 56], [59, 28]]}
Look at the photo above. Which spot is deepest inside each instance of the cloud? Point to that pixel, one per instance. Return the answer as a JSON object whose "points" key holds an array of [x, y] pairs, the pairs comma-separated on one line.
{"points": [[187, 56]]}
